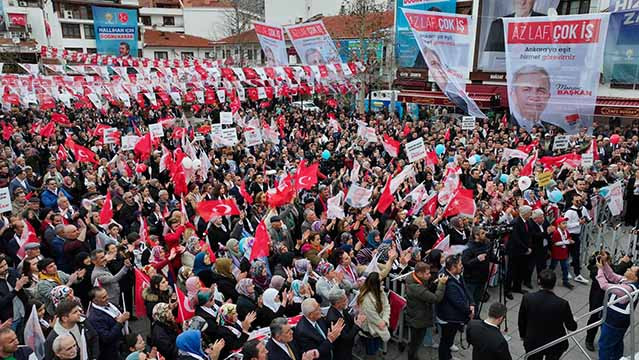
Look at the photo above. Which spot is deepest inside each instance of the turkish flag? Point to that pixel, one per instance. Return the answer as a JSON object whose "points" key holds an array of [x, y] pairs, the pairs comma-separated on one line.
{"points": [[245, 194], [528, 148], [224, 207], [397, 305], [386, 199], [391, 145], [28, 236], [185, 309], [178, 133], [461, 202], [143, 147], [48, 130], [593, 150], [7, 131], [262, 242], [572, 160], [60, 119], [62, 153], [106, 213], [142, 281], [282, 194], [430, 207], [306, 176], [83, 154], [447, 135], [527, 170], [99, 130]]}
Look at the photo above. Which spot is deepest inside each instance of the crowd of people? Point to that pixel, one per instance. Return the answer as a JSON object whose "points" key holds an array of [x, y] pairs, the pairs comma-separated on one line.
{"points": [[318, 291]]}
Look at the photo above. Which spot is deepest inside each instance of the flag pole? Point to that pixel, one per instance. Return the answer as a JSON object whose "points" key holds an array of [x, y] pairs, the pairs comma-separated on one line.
{"points": [[178, 299]]}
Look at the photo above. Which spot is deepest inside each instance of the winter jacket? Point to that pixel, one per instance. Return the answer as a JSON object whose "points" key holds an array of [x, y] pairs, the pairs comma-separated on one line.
{"points": [[420, 301]]}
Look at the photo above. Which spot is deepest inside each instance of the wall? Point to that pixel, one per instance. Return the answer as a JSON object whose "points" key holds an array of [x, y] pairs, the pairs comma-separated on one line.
{"points": [[157, 19], [208, 23], [175, 53]]}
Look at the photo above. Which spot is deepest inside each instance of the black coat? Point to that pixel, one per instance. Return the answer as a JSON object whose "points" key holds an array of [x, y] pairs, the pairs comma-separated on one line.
{"points": [[474, 270], [275, 352], [346, 340], [6, 296], [109, 333], [537, 236], [487, 341], [519, 241], [542, 317], [231, 341], [456, 238], [309, 338], [211, 322], [92, 342], [163, 338], [226, 286]]}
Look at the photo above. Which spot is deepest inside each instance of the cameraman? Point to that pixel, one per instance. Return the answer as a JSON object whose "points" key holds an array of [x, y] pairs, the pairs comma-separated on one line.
{"points": [[476, 259], [596, 296]]}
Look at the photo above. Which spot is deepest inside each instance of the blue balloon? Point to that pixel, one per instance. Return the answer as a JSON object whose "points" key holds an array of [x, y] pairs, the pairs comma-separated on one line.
{"points": [[604, 191], [451, 159], [326, 154], [503, 178], [555, 196], [440, 149], [477, 158]]}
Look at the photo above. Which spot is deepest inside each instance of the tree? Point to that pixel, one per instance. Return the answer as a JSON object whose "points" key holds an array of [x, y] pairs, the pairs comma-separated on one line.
{"points": [[238, 19]]}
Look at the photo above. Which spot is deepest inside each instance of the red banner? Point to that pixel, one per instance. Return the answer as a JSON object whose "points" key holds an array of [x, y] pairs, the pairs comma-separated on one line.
{"points": [[17, 19], [554, 32]]}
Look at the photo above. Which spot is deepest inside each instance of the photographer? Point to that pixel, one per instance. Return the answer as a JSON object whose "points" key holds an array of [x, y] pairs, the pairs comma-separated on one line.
{"points": [[596, 296], [476, 259], [617, 315], [577, 216]]}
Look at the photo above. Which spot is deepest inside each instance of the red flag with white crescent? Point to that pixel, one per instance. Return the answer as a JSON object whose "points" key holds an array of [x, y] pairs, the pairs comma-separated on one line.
{"points": [[224, 207]]}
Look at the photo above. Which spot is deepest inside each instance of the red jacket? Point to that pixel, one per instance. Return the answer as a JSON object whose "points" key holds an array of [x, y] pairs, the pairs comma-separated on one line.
{"points": [[559, 251]]}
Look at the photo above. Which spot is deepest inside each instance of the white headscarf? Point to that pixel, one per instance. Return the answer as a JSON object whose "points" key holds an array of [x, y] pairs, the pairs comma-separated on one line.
{"points": [[268, 298]]}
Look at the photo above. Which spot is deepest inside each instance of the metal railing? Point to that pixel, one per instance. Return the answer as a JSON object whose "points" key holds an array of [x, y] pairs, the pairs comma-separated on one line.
{"points": [[571, 336]]}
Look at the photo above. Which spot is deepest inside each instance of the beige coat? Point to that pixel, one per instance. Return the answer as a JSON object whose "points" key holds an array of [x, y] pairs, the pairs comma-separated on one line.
{"points": [[368, 308]]}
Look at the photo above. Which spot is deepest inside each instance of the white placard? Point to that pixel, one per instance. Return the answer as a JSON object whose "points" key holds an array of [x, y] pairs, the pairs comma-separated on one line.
{"points": [[241, 95], [226, 118], [157, 130], [416, 150], [587, 160], [216, 130], [468, 123], [261, 93], [561, 142], [108, 137], [252, 137], [370, 135], [229, 137], [129, 141], [5, 200], [199, 95], [221, 95]]}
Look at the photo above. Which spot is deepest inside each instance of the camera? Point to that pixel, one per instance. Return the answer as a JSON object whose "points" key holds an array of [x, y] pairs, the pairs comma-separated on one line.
{"points": [[498, 231]]}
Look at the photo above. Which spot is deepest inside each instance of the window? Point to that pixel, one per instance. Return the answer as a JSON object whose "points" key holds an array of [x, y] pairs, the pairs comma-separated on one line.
{"points": [[206, 55], [71, 31], [228, 54], [139, 52], [92, 50], [146, 20], [89, 32], [73, 49], [168, 20], [250, 54], [572, 7], [161, 55], [187, 55], [77, 11]]}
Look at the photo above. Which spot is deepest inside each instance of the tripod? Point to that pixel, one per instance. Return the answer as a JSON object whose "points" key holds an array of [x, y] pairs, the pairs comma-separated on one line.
{"points": [[501, 268]]}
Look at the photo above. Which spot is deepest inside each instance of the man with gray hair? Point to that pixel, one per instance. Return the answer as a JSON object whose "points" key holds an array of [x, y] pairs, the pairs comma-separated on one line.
{"points": [[540, 236], [312, 332], [281, 345], [64, 347], [529, 91], [338, 311], [518, 250]]}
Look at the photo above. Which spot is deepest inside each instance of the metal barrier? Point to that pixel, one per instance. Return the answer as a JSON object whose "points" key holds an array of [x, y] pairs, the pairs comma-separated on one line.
{"points": [[571, 336]]}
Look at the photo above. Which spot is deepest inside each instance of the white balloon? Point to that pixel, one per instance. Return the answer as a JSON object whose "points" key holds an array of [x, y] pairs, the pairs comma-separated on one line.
{"points": [[524, 183], [472, 161], [197, 164], [187, 163]]}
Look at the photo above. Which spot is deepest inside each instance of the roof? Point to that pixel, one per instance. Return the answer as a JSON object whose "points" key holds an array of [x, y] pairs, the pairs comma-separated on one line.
{"points": [[340, 27], [207, 3], [154, 38]]}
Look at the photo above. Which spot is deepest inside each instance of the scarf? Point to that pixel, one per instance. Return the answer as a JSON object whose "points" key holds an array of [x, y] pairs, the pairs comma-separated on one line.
{"points": [[55, 278], [223, 267], [190, 342], [198, 264]]}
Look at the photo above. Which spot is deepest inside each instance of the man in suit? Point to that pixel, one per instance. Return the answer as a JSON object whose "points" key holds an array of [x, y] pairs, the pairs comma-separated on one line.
{"points": [[281, 345], [69, 314], [456, 308], [518, 251], [108, 321], [495, 40], [485, 337], [540, 236], [313, 333], [338, 310], [544, 317]]}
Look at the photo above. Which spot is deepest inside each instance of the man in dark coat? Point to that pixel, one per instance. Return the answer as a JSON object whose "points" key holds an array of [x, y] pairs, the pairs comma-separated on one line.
{"points": [[281, 345], [495, 41], [313, 333], [419, 304], [540, 236], [518, 251], [485, 337], [338, 310], [108, 321], [69, 315], [544, 317], [11, 290]]}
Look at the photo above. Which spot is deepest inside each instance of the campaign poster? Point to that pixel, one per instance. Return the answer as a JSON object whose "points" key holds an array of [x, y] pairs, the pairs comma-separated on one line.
{"points": [[445, 42], [116, 31], [621, 56], [553, 67], [491, 31], [407, 53], [313, 43], [351, 50], [272, 42]]}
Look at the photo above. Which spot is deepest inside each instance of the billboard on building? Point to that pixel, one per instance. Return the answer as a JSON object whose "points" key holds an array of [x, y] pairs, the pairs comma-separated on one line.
{"points": [[553, 66], [407, 52], [116, 31], [313, 43], [621, 57], [491, 29], [271, 39], [351, 50]]}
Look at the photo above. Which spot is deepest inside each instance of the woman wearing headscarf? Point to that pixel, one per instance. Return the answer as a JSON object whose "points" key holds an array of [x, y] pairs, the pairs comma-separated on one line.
{"points": [[184, 273], [312, 249], [162, 263], [192, 247], [259, 274], [164, 330], [202, 268], [247, 300], [158, 291], [83, 261], [223, 277], [234, 335], [300, 291], [273, 307], [62, 292], [206, 309], [277, 282], [193, 285], [189, 345], [218, 232], [233, 250]]}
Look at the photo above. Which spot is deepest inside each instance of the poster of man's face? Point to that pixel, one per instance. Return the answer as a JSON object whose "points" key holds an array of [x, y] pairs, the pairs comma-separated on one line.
{"points": [[491, 30], [313, 57], [530, 94]]}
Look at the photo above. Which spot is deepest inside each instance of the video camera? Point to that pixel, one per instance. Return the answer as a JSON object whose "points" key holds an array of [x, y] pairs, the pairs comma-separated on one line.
{"points": [[497, 232]]}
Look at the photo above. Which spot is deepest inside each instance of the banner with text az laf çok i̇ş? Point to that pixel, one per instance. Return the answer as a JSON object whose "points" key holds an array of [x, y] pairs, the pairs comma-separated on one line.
{"points": [[313, 43], [553, 67], [116, 31], [272, 42], [444, 41]]}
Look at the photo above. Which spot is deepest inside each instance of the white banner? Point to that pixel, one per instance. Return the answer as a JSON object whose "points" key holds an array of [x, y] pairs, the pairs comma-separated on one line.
{"points": [[335, 210], [5, 200], [129, 141], [226, 118], [615, 198], [553, 67], [416, 150], [358, 197], [252, 137], [108, 136], [445, 41], [156, 129], [313, 43], [272, 42]]}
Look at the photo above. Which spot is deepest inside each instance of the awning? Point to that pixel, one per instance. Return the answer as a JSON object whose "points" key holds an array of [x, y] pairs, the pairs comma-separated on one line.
{"points": [[438, 98]]}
